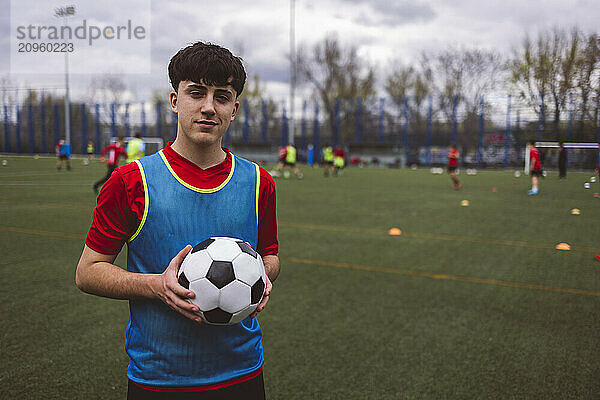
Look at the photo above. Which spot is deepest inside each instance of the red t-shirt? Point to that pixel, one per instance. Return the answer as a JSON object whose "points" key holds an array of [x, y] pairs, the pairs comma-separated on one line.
{"points": [[453, 158], [534, 156], [112, 153], [339, 152], [120, 206]]}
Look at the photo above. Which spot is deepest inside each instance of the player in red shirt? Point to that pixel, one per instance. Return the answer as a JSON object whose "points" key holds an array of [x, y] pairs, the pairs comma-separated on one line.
{"points": [[535, 164], [453, 164], [339, 159], [111, 154], [207, 80]]}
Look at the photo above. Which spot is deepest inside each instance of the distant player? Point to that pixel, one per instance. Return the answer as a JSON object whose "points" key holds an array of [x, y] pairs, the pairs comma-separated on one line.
{"points": [[452, 165], [90, 151], [111, 154], [327, 160], [339, 160], [535, 167], [562, 161], [63, 153], [289, 162], [136, 148]]}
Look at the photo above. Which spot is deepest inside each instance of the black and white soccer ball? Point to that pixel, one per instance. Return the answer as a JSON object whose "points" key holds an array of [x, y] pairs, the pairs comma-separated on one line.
{"points": [[228, 277]]}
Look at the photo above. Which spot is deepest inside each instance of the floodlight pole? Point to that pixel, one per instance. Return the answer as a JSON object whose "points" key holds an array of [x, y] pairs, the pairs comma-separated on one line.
{"points": [[65, 12], [292, 71]]}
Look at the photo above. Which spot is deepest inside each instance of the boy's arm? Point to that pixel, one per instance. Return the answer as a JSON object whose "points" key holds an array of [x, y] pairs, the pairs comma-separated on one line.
{"points": [[96, 274]]}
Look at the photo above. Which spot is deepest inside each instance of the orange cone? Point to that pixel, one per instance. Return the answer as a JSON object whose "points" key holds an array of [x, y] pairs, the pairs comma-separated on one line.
{"points": [[495, 189], [563, 246], [395, 232]]}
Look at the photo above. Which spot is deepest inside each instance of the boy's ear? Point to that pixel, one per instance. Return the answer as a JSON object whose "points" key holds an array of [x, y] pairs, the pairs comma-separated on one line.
{"points": [[173, 101], [236, 107]]}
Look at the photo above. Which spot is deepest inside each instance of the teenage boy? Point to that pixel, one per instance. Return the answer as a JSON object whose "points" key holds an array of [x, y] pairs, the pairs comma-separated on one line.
{"points": [[190, 190]]}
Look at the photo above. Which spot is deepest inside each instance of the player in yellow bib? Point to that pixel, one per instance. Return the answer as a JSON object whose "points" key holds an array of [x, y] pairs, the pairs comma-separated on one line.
{"points": [[290, 163], [135, 148], [327, 160]]}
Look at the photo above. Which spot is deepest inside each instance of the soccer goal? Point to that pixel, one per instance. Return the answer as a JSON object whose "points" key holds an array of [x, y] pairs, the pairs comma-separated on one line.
{"points": [[153, 144], [581, 157]]}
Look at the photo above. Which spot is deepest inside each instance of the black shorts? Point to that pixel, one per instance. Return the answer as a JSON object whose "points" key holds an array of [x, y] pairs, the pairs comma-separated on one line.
{"points": [[63, 157], [536, 172], [252, 389], [451, 168], [328, 162], [291, 164]]}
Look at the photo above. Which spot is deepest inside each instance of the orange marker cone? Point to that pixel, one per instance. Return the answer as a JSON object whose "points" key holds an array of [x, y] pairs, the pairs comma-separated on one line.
{"points": [[563, 246], [597, 257], [495, 189], [395, 232]]}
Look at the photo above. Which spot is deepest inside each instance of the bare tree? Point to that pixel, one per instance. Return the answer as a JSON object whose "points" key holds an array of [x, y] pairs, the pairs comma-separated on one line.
{"points": [[335, 71], [587, 69], [546, 66], [107, 89]]}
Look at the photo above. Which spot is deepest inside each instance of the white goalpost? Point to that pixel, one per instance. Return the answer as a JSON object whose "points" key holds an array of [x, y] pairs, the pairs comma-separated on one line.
{"points": [[555, 145]]}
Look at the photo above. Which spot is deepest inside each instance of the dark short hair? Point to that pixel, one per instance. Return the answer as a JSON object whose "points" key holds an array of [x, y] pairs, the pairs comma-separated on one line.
{"points": [[532, 142], [212, 64]]}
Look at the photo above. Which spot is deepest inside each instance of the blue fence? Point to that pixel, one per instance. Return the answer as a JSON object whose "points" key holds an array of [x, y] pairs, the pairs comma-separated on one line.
{"points": [[492, 132]]}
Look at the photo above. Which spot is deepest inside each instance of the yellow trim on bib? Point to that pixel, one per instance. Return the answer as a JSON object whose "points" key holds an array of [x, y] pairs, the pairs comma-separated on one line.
{"points": [[146, 202], [257, 190], [221, 186]]}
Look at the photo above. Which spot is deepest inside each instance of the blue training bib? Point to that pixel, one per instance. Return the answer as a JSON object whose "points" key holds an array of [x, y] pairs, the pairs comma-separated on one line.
{"points": [[165, 348]]}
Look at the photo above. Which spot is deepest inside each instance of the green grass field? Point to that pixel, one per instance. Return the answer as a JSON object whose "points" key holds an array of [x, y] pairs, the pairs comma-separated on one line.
{"points": [[469, 302]]}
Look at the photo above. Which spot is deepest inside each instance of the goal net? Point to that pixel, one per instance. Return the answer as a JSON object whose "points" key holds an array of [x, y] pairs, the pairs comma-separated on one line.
{"points": [[579, 155]]}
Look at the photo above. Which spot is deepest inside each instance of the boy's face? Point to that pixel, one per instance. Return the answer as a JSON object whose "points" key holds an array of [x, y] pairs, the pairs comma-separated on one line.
{"points": [[204, 112]]}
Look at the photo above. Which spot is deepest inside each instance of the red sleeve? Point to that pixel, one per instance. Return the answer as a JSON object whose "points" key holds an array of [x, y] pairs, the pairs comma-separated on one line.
{"points": [[118, 212], [267, 217]]}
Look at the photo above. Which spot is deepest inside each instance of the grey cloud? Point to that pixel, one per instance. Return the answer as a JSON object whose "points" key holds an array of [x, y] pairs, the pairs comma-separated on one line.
{"points": [[394, 12]]}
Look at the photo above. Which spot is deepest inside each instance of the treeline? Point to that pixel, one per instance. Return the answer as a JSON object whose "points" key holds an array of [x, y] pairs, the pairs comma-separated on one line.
{"points": [[555, 74]]}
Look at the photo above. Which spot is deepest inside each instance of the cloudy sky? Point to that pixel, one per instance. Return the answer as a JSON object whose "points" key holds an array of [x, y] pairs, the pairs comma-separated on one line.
{"points": [[384, 31]]}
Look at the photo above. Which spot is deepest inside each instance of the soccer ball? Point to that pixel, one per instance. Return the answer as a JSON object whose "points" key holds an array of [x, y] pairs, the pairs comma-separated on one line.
{"points": [[4, 163], [517, 174], [586, 185], [593, 179], [228, 278]]}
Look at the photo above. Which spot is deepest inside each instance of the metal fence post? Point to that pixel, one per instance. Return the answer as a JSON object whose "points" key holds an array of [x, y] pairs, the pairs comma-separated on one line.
{"points": [[246, 126], [381, 119], [97, 142], [316, 130], [541, 117], [336, 123], [84, 134], [30, 126], [428, 139], [405, 127], [480, 135], [263, 120], [43, 123], [507, 137], [358, 119]]}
